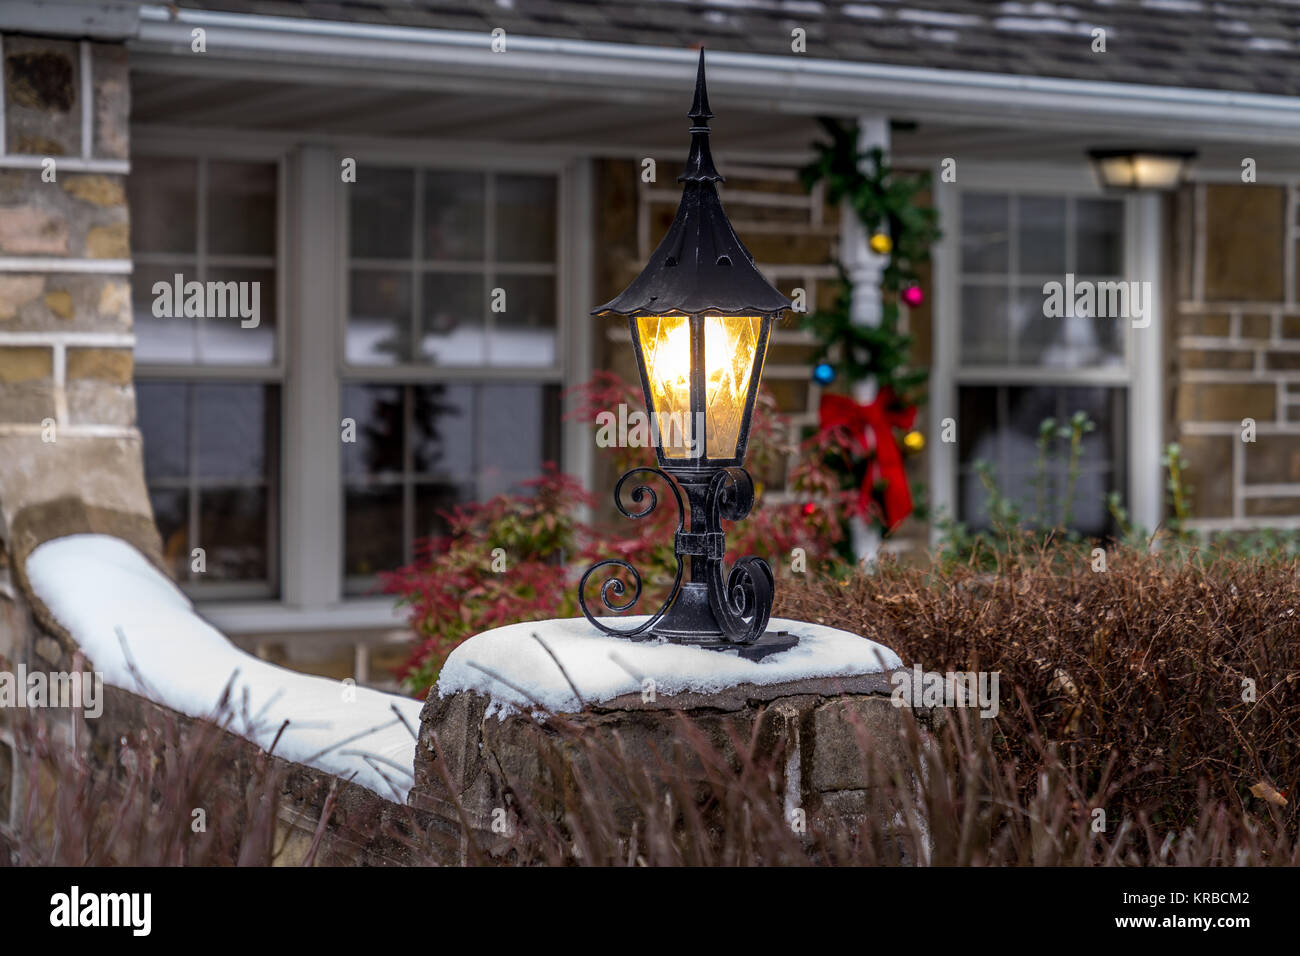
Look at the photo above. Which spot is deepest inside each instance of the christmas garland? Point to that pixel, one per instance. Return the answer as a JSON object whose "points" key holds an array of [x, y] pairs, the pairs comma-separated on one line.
{"points": [[903, 230]]}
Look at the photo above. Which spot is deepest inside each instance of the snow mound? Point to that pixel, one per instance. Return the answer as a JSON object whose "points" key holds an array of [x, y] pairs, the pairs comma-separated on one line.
{"points": [[510, 666], [143, 635]]}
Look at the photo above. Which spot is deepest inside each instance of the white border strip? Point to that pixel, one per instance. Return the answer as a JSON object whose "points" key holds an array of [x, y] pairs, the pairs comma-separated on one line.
{"points": [[46, 264]]}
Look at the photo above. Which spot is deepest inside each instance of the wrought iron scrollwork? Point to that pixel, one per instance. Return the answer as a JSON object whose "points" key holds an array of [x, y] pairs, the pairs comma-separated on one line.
{"points": [[613, 585], [744, 605], [738, 604]]}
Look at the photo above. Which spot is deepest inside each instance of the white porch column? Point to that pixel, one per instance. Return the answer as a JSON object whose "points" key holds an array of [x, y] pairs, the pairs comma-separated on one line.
{"points": [[865, 269]]}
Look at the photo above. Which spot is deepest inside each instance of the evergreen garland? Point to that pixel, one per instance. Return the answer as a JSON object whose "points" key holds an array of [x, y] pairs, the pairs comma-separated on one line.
{"points": [[886, 205]]}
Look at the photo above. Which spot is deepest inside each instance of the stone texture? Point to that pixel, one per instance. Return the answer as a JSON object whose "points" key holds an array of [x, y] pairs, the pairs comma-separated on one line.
{"points": [[1225, 403], [1209, 467], [44, 218], [109, 63], [1256, 326], [109, 242], [105, 365], [816, 730], [1245, 234], [1273, 459], [25, 364], [97, 189], [1217, 325], [27, 230], [94, 402], [1217, 358], [64, 302], [42, 95]]}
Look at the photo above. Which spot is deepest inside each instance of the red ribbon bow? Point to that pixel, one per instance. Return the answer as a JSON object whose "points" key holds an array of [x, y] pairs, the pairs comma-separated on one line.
{"points": [[869, 424]]}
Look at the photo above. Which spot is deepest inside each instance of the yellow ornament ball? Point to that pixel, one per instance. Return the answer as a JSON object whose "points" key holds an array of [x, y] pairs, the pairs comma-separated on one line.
{"points": [[881, 243], [914, 442]]}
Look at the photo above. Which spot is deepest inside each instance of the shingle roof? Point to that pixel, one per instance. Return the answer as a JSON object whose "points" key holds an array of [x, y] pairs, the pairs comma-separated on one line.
{"points": [[1239, 45]]}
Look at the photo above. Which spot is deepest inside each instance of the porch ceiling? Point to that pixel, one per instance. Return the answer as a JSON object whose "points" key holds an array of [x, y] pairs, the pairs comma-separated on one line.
{"points": [[652, 122]]}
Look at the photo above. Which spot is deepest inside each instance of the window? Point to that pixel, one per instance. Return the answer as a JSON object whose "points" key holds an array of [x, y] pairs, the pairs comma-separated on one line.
{"points": [[204, 234], [452, 351], [1018, 363]]}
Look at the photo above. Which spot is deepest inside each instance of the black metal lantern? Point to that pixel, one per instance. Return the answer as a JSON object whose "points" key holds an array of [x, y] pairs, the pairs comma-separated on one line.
{"points": [[700, 315]]}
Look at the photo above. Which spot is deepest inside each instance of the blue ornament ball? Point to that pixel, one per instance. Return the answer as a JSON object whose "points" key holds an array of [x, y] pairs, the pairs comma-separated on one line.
{"points": [[824, 373]]}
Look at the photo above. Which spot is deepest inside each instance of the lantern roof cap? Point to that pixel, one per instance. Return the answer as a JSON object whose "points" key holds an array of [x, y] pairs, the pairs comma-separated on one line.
{"points": [[700, 265]]}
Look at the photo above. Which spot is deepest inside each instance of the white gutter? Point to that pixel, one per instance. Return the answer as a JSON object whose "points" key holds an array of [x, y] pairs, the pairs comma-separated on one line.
{"points": [[333, 52]]}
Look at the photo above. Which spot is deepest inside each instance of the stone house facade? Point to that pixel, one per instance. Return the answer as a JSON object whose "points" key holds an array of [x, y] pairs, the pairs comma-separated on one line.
{"points": [[212, 140]]}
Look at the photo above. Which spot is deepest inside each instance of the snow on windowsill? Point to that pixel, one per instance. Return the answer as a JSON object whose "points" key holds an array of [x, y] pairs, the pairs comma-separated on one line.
{"points": [[604, 667], [96, 585]]}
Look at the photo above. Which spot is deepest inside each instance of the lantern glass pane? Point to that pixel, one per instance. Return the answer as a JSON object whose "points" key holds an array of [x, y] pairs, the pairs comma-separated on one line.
{"points": [[665, 343], [730, 349]]}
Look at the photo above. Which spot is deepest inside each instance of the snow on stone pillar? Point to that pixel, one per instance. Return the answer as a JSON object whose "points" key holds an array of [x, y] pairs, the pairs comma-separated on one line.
{"points": [[865, 269]]}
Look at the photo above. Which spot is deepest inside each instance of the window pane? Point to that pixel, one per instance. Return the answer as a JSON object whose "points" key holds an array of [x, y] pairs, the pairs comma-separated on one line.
{"points": [[233, 533], [219, 441], [378, 411], [171, 513], [166, 339], [1064, 341], [382, 208], [238, 325], [985, 336], [517, 434], [241, 208], [985, 233], [162, 414], [231, 422], [432, 502], [525, 332], [1100, 237], [442, 418], [374, 523], [525, 218], [1042, 235], [162, 197], [1001, 427], [453, 215], [379, 318], [451, 328]]}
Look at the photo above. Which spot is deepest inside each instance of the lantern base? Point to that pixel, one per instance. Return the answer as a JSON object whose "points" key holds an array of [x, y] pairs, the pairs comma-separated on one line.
{"points": [[771, 642]]}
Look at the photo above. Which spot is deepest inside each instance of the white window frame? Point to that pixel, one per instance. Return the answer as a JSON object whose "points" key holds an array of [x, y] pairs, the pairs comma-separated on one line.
{"points": [[153, 145], [1143, 369], [312, 247]]}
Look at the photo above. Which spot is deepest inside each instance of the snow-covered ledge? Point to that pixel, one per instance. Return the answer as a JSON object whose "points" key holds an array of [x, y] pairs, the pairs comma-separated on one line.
{"points": [[538, 666], [142, 634], [491, 720]]}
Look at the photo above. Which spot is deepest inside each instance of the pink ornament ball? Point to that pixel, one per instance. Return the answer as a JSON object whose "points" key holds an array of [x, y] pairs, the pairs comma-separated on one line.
{"points": [[913, 296]]}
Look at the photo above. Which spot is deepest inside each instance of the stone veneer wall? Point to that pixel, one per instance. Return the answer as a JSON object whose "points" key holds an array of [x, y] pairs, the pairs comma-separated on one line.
{"points": [[67, 406], [794, 237], [1236, 352]]}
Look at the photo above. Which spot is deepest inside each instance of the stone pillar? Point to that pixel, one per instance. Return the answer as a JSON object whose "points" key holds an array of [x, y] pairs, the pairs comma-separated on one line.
{"points": [[822, 737], [865, 269], [68, 440]]}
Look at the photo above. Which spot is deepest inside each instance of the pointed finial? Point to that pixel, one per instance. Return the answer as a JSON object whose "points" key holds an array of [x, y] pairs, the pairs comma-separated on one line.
{"points": [[699, 162], [700, 108]]}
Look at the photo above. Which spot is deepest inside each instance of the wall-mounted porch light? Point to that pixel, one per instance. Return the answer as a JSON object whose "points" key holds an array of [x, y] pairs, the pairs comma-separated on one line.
{"points": [[700, 315], [1132, 169]]}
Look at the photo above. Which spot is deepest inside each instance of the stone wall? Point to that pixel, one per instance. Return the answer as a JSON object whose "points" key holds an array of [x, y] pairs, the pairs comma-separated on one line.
{"points": [[1236, 352], [67, 406], [238, 784], [474, 770]]}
